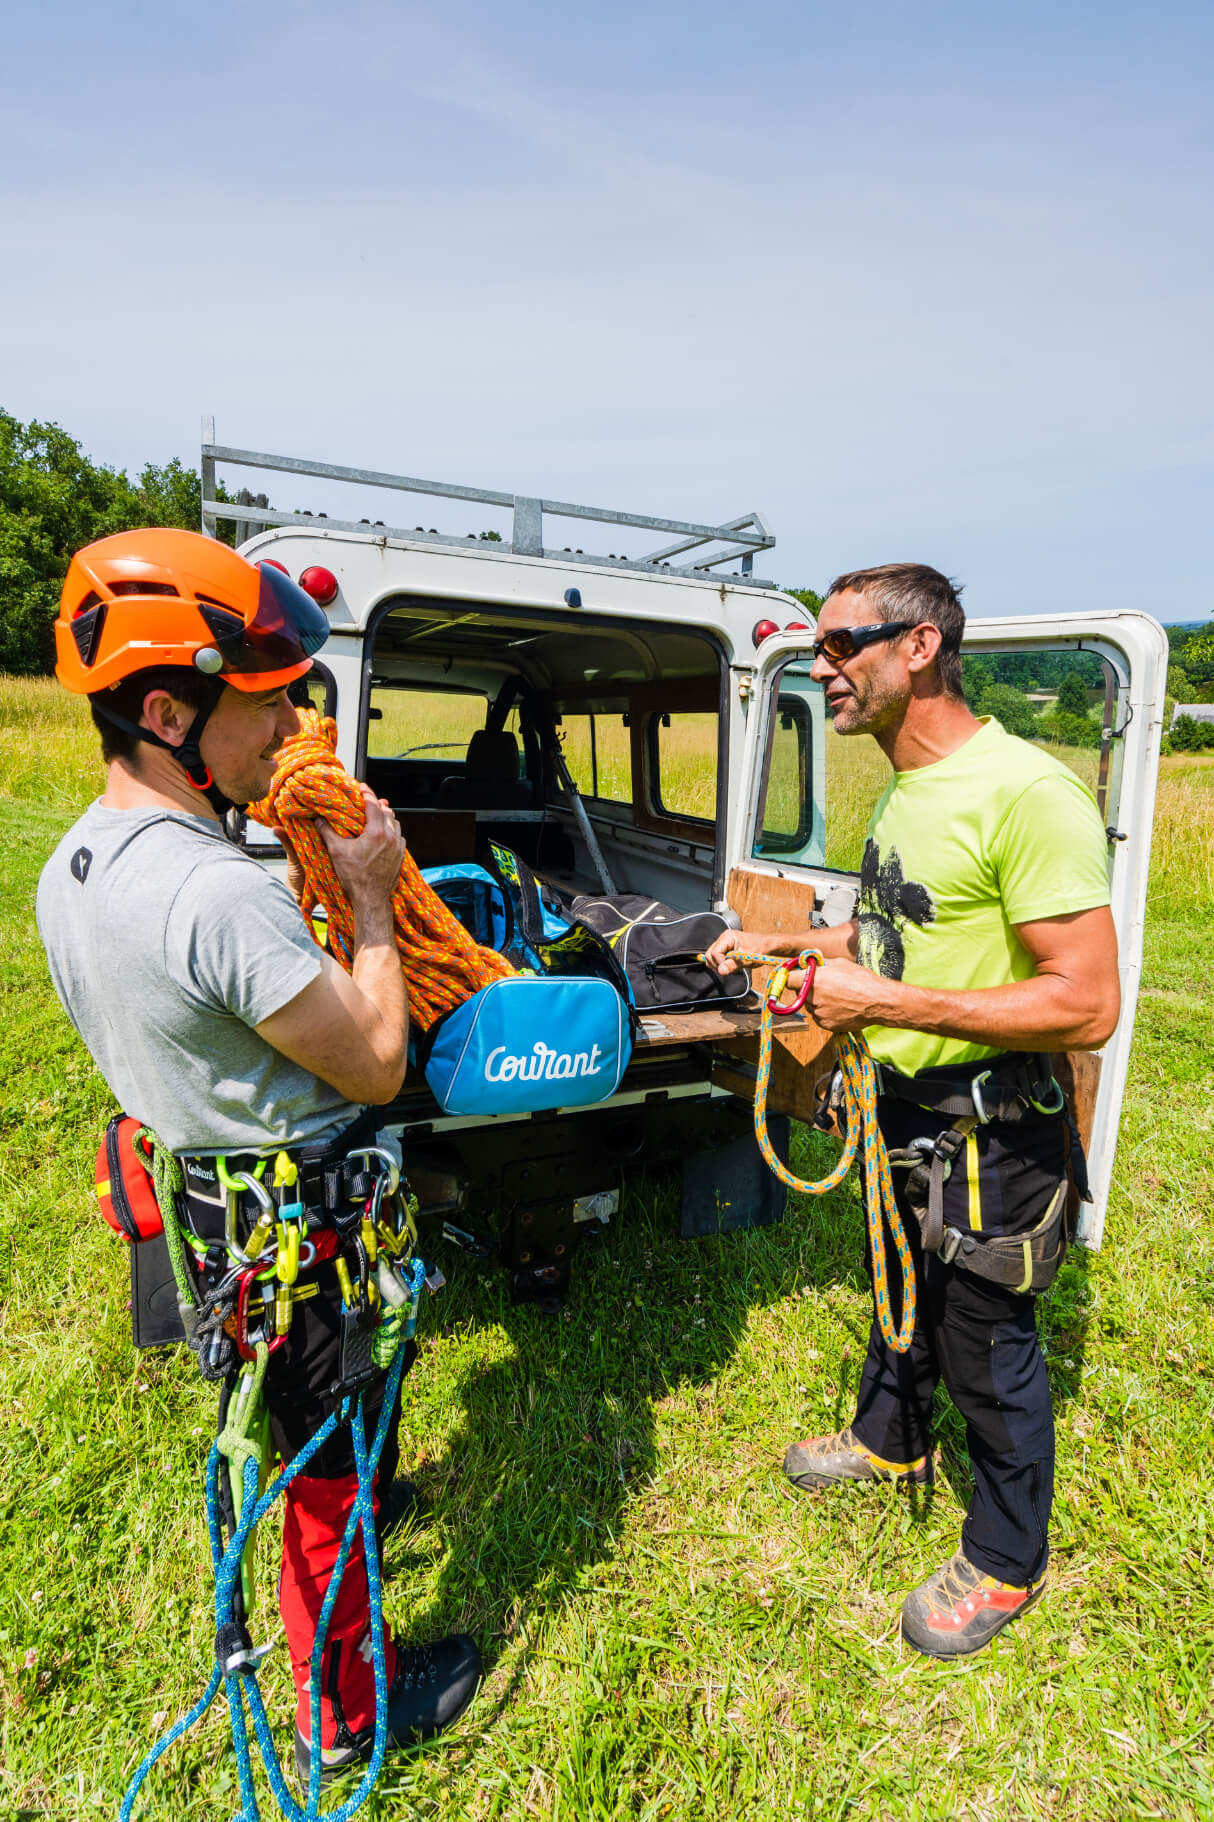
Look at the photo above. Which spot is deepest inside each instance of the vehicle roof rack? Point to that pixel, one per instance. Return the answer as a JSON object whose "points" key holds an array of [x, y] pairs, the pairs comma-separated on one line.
{"points": [[741, 537]]}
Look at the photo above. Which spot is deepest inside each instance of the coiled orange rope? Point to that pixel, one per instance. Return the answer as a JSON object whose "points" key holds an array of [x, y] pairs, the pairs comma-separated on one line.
{"points": [[442, 965]]}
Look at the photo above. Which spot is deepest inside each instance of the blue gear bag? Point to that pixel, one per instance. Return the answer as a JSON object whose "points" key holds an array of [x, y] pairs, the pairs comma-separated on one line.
{"points": [[558, 1034]]}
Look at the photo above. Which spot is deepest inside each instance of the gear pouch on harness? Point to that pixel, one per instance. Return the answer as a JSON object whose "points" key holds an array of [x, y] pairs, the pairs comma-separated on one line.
{"points": [[125, 1192], [557, 1035], [659, 950]]}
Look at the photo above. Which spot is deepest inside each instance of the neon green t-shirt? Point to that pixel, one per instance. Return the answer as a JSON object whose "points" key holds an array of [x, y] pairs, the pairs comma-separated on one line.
{"points": [[1000, 833]]}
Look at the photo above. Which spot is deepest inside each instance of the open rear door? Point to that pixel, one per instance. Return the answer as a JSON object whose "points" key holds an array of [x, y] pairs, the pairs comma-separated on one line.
{"points": [[1092, 685]]}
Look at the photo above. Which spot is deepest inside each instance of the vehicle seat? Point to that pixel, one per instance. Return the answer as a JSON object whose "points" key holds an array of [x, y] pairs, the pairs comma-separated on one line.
{"points": [[490, 779]]}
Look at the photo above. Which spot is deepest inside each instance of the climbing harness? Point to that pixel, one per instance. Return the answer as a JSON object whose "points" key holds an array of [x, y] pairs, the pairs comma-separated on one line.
{"points": [[442, 964], [1024, 1262], [240, 1313], [861, 1134]]}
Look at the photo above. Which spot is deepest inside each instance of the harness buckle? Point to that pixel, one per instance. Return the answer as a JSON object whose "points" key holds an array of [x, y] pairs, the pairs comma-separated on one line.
{"points": [[950, 1245]]}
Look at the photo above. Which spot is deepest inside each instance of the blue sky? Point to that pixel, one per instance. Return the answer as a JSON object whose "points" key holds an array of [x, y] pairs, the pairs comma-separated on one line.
{"points": [[919, 281]]}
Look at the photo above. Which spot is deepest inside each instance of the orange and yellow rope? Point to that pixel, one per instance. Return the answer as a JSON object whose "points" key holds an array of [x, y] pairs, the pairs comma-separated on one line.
{"points": [[863, 1134], [442, 964]]}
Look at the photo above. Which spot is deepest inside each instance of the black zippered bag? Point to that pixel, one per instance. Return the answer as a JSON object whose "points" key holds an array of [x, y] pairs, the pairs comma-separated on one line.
{"points": [[658, 949]]}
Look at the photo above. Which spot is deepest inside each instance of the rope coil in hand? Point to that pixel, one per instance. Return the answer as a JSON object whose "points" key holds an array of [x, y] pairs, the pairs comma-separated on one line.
{"points": [[863, 1134], [442, 964]]}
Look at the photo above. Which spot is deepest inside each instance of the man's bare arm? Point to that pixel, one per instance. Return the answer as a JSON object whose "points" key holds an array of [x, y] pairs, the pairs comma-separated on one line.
{"points": [[352, 1030], [1072, 1002], [837, 941]]}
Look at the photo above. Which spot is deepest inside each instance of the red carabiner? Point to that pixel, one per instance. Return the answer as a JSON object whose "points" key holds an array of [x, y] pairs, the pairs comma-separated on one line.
{"points": [[246, 1345], [809, 963]]}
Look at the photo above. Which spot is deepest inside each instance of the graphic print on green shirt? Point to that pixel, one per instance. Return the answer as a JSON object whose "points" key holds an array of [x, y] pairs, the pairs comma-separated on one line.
{"points": [[997, 834]]}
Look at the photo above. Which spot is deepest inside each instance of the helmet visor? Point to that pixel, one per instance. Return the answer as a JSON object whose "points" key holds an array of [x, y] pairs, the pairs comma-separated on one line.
{"points": [[286, 630]]}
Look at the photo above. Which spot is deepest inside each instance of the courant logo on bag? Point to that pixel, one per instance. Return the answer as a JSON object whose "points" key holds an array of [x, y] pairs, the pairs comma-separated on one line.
{"points": [[541, 1064]]}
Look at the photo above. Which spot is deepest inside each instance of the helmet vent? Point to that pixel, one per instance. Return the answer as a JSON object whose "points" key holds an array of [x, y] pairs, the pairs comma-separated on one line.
{"points": [[144, 588], [221, 621], [86, 628]]}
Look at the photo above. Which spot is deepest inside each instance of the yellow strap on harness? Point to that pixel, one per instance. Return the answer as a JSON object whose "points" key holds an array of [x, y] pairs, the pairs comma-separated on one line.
{"points": [[860, 1099]]}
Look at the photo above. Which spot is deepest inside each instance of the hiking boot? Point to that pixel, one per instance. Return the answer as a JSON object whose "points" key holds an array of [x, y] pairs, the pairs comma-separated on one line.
{"points": [[432, 1687], [824, 1461], [959, 1609]]}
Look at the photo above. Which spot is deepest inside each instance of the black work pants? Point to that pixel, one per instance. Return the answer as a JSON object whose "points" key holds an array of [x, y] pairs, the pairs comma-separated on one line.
{"points": [[977, 1337]]}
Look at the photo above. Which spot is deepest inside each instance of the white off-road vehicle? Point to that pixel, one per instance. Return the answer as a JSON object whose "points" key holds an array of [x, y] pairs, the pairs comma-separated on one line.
{"points": [[647, 723]]}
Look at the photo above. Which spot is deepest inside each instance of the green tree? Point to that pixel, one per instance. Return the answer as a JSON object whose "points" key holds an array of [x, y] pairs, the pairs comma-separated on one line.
{"points": [[976, 678], [1188, 735], [808, 597], [1072, 695], [1010, 707], [1068, 730], [53, 499]]}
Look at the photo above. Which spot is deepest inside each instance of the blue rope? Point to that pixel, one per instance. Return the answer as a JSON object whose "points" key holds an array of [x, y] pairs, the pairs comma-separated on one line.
{"points": [[241, 1685]]}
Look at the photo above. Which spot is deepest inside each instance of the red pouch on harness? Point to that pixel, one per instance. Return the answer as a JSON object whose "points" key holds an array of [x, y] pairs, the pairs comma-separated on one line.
{"points": [[124, 1181]]}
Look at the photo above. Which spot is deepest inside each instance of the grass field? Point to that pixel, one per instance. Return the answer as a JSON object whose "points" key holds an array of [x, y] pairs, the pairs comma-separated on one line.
{"points": [[671, 1631]]}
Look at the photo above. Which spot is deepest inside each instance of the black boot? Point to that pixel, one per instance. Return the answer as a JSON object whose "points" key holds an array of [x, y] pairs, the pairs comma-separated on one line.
{"points": [[432, 1687]]}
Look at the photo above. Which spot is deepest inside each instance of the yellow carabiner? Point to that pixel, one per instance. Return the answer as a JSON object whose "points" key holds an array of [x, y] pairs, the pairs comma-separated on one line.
{"points": [[286, 1171], [288, 1251]]}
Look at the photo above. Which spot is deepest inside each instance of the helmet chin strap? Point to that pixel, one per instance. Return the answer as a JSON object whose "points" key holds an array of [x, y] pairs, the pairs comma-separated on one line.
{"points": [[188, 755]]}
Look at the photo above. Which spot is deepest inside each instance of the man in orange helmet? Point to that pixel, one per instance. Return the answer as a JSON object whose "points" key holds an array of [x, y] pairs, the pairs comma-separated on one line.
{"points": [[193, 979]]}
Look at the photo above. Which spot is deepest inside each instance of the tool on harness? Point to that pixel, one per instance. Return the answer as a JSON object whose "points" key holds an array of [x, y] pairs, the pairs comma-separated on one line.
{"points": [[861, 1134], [125, 1190]]}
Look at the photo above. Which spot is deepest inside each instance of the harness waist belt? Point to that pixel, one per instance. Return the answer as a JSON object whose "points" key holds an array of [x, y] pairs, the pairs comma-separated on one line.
{"points": [[1003, 1087], [319, 1186]]}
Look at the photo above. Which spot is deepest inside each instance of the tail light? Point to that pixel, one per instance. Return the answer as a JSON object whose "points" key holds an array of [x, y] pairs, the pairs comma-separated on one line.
{"points": [[320, 583], [763, 629]]}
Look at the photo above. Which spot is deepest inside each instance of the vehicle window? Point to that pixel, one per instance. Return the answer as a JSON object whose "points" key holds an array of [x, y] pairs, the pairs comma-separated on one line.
{"points": [[790, 823], [684, 762], [423, 724], [598, 752], [786, 810]]}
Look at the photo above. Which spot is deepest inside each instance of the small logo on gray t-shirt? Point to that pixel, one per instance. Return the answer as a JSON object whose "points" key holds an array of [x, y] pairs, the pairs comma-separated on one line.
{"points": [[81, 861]]}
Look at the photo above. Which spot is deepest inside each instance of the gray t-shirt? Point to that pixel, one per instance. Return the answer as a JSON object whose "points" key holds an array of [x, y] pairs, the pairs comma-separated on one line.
{"points": [[167, 946]]}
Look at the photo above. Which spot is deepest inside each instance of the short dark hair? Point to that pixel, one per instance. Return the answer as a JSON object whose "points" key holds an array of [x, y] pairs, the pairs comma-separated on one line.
{"points": [[919, 595], [127, 699]]}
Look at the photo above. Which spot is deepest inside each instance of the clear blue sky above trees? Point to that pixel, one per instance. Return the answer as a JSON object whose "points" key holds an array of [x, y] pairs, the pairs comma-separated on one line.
{"points": [[918, 280]]}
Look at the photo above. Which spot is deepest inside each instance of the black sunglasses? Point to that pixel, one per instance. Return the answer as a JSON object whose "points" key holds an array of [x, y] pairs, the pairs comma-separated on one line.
{"points": [[843, 642]]}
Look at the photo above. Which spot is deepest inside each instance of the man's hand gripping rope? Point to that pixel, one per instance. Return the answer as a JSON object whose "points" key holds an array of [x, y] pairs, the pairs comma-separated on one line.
{"points": [[862, 1130]]}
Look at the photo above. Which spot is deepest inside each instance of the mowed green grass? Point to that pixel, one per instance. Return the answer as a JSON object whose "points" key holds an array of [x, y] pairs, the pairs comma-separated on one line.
{"points": [[670, 1630]]}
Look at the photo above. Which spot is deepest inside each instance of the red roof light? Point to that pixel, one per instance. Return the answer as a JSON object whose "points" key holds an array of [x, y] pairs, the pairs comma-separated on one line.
{"points": [[320, 583], [272, 563], [763, 629]]}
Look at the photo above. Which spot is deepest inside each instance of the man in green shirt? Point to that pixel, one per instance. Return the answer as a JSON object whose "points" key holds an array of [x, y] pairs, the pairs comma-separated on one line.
{"points": [[982, 942]]}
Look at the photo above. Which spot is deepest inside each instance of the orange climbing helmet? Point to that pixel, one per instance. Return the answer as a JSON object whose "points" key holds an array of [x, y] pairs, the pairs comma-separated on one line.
{"points": [[142, 599]]}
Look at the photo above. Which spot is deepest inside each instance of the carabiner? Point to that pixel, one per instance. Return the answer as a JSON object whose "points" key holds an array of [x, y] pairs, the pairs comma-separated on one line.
{"points": [[808, 961], [1059, 1102], [242, 1180], [385, 1158]]}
